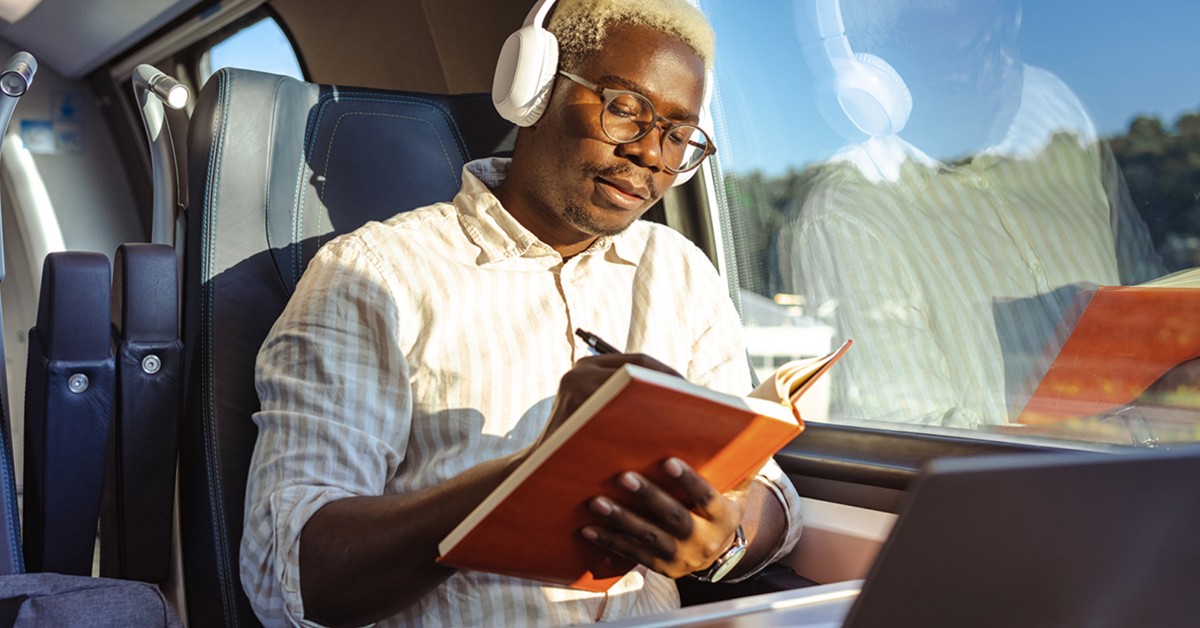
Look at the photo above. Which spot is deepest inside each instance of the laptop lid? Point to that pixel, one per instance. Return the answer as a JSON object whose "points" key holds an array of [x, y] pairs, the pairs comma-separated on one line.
{"points": [[1070, 539]]}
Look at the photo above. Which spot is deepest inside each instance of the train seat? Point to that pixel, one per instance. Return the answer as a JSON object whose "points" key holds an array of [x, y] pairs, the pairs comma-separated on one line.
{"points": [[68, 404], [276, 168], [139, 490]]}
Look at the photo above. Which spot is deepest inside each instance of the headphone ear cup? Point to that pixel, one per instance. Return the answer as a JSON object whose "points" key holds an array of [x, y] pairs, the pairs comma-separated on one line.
{"points": [[524, 73], [872, 95]]}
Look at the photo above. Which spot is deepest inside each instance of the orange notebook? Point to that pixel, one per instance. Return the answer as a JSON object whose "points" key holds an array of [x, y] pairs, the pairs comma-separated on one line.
{"points": [[1125, 340], [529, 526]]}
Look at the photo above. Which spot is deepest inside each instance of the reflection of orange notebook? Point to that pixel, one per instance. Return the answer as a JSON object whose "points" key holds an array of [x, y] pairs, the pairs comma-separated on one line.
{"points": [[1125, 340], [529, 526]]}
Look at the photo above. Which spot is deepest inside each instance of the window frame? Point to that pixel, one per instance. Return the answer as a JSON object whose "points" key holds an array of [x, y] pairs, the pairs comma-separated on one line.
{"points": [[192, 56]]}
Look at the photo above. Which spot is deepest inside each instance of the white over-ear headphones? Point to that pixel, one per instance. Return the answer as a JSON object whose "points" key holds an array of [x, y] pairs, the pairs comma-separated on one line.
{"points": [[527, 69], [859, 87]]}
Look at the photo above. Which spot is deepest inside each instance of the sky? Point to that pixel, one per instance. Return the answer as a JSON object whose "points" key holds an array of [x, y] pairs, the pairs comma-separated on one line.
{"points": [[262, 46], [1122, 58]]}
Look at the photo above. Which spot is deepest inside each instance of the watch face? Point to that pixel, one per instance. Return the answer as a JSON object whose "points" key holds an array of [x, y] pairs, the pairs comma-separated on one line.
{"points": [[727, 561], [731, 560]]}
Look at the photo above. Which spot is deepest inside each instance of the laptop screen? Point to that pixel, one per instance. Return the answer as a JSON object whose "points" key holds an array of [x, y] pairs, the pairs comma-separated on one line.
{"points": [[1070, 539]]}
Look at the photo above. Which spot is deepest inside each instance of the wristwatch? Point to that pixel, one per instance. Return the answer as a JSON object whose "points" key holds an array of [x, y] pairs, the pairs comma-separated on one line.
{"points": [[725, 562]]}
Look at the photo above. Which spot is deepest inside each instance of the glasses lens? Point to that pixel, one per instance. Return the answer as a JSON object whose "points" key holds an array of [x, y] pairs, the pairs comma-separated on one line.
{"points": [[684, 146], [627, 116]]}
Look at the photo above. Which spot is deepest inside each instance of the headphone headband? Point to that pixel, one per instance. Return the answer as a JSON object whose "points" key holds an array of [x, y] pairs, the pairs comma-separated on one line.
{"points": [[538, 14], [527, 69], [858, 88]]}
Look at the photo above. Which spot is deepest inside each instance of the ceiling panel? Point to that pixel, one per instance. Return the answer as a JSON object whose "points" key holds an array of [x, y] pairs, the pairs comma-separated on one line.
{"points": [[75, 37]]}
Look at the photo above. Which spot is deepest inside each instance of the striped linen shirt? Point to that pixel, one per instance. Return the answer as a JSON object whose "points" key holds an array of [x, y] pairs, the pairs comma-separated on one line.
{"points": [[417, 348], [953, 281]]}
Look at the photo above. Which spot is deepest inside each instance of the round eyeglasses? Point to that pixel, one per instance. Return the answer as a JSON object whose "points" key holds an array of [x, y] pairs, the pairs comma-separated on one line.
{"points": [[629, 116]]}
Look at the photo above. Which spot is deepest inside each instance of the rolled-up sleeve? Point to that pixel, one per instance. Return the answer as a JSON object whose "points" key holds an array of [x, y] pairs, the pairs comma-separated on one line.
{"points": [[336, 414], [776, 481]]}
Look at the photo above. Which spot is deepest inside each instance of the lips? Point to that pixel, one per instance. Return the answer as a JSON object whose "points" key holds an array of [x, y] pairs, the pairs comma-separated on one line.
{"points": [[622, 193]]}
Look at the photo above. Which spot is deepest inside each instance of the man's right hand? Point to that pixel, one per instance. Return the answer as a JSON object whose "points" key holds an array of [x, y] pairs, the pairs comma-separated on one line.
{"points": [[585, 377], [394, 537]]}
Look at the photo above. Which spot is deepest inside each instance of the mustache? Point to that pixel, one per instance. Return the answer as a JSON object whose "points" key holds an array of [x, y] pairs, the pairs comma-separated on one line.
{"points": [[623, 171]]}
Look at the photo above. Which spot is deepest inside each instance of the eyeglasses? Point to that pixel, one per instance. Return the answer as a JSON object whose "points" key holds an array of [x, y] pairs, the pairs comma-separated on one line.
{"points": [[629, 116]]}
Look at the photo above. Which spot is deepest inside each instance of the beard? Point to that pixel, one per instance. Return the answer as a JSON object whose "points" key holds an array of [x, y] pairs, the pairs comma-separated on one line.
{"points": [[579, 217]]}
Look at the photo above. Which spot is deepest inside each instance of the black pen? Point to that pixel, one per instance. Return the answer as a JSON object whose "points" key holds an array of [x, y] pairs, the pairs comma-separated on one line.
{"points": [[594, 341]]}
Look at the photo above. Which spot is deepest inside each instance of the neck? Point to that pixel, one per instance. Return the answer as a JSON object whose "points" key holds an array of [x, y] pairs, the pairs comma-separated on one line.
{"points": [[564, 238]]}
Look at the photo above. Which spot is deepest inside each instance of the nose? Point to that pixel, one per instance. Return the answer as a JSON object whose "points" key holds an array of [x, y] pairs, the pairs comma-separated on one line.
{"points": [[646, 151]]}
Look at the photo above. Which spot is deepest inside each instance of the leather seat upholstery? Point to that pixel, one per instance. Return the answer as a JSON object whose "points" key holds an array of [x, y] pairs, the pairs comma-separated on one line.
{"points": [[139, 491], [277, 167], [12, 557], [68, 405]]}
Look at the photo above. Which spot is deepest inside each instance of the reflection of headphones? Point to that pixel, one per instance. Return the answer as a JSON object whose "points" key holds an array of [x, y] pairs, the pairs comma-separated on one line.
{"points": [[860, 87], [527, 68]]}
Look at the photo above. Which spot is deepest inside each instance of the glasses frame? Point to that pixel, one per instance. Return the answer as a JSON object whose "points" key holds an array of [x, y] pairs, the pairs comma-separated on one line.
{"points": [[607, 95]]}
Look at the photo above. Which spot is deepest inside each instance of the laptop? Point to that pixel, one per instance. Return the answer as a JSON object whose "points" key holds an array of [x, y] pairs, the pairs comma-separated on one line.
{"points": [[1024, 540]]}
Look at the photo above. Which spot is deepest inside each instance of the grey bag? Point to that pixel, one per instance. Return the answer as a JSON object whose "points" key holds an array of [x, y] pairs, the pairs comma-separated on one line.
{"points": [[48, 599]]}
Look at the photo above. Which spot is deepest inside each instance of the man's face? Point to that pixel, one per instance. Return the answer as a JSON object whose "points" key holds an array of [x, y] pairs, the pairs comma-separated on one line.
{"points": [[965, 74], [587, 185]]}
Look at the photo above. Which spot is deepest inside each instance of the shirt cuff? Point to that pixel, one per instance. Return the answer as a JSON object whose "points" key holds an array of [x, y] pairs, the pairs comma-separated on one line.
{"points": [[775, 481]]}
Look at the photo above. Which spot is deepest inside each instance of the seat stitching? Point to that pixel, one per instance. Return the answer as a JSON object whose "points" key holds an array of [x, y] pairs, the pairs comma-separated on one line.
{"points": [[212, 462], [333, 137], [326, 100]]}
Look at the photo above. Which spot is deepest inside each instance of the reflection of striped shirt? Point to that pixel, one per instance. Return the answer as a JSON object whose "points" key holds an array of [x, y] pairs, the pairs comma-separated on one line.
{"points": [[953, 280], [420, 347]]}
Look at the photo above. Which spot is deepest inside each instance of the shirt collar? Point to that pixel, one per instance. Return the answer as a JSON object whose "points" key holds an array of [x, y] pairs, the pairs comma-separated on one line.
{"points": [[500, 236]]}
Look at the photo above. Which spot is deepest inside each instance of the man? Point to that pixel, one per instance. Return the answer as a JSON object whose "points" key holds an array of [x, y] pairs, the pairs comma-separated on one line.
{"points": [[420, 359], [952, 252]]}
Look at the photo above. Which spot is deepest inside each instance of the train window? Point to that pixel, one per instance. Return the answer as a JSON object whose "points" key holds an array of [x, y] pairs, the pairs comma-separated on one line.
{"points": [[945, 184], [260, 46]]}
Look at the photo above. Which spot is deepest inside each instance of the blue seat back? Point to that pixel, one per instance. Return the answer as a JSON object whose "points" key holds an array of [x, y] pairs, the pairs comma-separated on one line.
{"points": [[68, 404], [12, 558], [139, 490], [277, 167]]}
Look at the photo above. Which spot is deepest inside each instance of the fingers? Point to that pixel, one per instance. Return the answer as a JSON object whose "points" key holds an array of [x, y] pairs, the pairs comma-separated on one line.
{"points": [[672, 516], [631, 535], [590, 373], [702, 494], [664, 534]]}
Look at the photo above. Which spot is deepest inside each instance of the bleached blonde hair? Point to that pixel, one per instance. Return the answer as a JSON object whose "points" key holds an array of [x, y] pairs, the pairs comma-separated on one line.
{"points": [[581, 25]]}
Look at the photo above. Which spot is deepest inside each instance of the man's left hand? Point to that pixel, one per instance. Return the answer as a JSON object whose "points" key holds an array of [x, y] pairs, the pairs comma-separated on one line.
{"points": [[668, 537]]}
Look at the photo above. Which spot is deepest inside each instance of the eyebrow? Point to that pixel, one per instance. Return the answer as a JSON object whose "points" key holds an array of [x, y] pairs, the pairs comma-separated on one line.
{"points": [[678, 115]]}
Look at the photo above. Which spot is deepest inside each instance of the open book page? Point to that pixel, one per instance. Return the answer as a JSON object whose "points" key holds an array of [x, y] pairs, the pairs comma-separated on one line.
{"points": [[790, 381], [1188, 278]]}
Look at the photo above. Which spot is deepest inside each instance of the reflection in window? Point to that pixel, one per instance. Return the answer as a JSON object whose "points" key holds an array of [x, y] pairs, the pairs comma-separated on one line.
{"points": [[934, 185], [261, 46]]}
